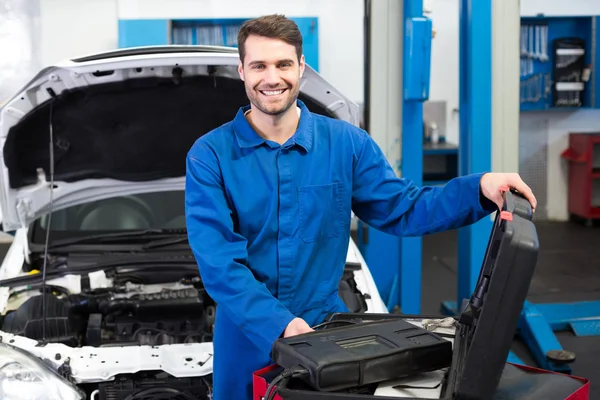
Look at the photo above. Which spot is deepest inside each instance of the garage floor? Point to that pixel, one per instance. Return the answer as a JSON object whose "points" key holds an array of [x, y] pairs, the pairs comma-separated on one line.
{"points": [[568, 270]]}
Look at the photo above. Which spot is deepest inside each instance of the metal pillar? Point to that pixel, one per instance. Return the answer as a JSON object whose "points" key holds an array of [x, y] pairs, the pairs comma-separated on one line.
{"points": [[384, 111], [400, 39], [475, 140], [506, 23], [475, 143], [417, 62], [506, 17]]}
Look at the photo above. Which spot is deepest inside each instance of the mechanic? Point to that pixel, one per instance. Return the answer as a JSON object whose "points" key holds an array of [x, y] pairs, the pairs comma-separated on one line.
{"points": [[268, 206]]}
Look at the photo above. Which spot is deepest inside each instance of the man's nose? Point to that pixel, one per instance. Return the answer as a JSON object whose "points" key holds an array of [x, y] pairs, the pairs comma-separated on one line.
{"points": [[272, 75]]}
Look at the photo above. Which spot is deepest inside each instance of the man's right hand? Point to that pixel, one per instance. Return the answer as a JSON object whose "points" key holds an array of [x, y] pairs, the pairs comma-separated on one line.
{"points": [[296, 327]]}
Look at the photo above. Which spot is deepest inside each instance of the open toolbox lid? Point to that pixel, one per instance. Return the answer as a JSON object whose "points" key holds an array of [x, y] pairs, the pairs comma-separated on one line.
{"points": [[488, 320]]}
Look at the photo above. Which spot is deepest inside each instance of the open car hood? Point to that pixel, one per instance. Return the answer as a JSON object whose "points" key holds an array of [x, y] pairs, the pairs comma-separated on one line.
{"points": [[122, 123]]}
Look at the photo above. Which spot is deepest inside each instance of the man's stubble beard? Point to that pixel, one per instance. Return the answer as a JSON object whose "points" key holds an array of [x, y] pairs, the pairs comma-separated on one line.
{"points": [[254, 99]]}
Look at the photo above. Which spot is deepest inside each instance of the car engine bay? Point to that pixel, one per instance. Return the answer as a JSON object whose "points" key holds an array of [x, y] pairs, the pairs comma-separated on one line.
{"points": [[133, 310], [117, 318]]}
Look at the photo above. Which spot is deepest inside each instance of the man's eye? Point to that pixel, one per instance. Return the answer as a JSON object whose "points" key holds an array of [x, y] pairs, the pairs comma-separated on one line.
{"points": [[257, 67]]}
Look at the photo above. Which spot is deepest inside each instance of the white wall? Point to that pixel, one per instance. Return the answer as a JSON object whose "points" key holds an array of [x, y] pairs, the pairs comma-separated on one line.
{"points": [[76, 27], [530, 8], [70, 28], [444, 61], [19, 47]]}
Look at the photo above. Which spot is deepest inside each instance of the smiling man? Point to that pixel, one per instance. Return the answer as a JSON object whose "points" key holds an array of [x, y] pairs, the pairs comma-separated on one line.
{"points": [[268, 202]]}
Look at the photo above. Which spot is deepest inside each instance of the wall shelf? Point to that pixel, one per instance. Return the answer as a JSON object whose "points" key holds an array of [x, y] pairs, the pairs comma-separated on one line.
{"points": [[211, 32], [557, 63], [440, 163]]}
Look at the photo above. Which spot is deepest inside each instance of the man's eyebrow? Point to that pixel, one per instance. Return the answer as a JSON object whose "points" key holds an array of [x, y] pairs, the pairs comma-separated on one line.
{"points": [[287, 60]]}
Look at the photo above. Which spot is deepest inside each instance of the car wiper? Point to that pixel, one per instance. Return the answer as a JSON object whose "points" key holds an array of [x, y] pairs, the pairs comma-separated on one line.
{"points": [[113, 236], [165, 242], [184, 262]]}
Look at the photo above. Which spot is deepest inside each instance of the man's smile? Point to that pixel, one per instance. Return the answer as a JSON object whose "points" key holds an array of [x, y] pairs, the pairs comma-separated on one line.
{"points": [[271, 92]]}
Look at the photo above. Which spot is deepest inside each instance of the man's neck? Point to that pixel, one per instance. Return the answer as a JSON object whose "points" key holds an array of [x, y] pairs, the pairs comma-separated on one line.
{"points": [[274, 128]]}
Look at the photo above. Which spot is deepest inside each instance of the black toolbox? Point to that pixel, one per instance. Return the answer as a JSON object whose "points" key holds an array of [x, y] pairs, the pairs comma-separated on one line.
{"points": [[483, 332]]}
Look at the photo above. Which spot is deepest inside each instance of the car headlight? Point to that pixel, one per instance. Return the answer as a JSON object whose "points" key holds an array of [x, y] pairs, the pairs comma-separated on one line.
{"points": [[25, 377]]}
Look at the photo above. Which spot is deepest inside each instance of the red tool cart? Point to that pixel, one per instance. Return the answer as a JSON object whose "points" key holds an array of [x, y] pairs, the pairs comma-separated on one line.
{"points": [[583, 155]]}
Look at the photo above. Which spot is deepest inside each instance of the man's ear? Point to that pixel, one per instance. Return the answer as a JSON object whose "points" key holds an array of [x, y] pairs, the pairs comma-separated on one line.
{"points": [[302, 65], [241, 69]]}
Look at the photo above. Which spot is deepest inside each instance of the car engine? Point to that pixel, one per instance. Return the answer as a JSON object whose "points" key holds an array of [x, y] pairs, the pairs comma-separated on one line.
{"points": [[133, 314], [184, 314], [130, 314]]}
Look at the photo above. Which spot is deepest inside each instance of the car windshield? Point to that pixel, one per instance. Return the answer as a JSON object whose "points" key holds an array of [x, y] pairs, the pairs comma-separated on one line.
{"points": [[147, 211]]}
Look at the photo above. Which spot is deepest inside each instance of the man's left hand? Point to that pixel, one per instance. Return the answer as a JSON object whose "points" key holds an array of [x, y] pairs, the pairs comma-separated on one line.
{"points": [[492, 185]]}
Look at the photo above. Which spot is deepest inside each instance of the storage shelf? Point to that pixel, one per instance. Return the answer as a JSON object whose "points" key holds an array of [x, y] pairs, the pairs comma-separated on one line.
{"points": [[556, 56], [595, 212], [440, 163], [439, 148], [584, 175]]}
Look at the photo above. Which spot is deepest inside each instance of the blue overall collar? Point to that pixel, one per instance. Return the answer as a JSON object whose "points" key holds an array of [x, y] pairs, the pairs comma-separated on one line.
{"points": [[247, 137]]}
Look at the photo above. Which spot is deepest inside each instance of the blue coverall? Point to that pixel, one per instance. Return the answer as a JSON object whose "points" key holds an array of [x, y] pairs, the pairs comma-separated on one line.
{"points": [[269, 225]]}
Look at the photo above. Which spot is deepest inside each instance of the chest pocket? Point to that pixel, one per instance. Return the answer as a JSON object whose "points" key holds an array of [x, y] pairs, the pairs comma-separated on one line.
{"points": [[321, 210]]}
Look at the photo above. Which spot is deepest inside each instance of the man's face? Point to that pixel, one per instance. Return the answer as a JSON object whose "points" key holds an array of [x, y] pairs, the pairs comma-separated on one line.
{"points": [[271, 74]]}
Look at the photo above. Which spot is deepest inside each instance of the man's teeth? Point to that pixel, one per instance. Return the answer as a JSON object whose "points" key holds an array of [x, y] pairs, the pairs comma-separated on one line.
{"points": [[272, 92]]}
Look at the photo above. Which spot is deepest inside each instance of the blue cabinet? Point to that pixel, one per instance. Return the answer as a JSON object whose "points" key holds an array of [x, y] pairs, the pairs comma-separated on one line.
{"points": [[143, 32], [215, 32]]}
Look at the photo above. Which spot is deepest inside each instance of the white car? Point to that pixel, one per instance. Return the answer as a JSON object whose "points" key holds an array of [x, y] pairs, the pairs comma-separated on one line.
{"points": [[125, 315]]}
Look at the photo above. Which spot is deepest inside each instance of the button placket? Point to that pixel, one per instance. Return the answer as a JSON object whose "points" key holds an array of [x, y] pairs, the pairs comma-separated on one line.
{"points": [[285, 216]]}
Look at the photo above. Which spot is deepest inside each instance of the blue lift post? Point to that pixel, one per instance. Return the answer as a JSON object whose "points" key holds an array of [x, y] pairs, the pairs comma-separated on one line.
{"points": [[475, 144], [416, 73], [385, 252]]}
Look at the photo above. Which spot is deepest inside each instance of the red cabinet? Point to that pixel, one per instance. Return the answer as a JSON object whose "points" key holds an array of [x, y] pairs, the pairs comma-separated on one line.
{"points": [[583, 155]]}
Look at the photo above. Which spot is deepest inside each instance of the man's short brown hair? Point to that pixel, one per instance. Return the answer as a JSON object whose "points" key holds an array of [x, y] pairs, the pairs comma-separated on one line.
{"points": [[274, 26]]}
